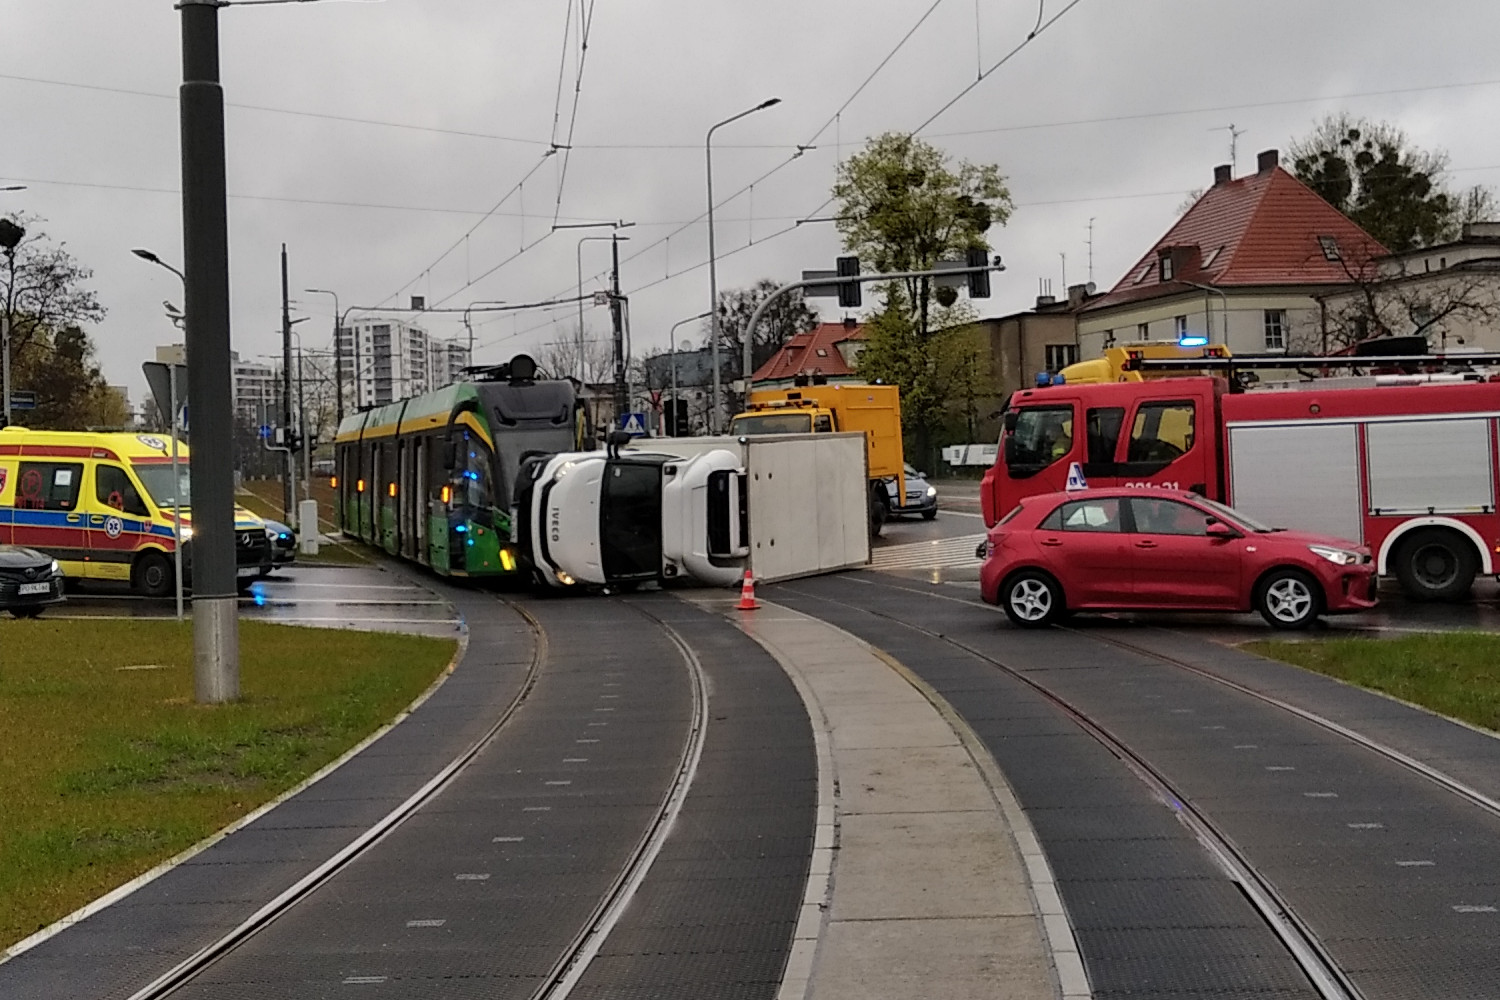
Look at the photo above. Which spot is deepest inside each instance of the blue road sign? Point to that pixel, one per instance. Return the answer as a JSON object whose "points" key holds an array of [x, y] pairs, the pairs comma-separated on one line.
{"points": [[633, 424], [21, 399], [265, 432]]}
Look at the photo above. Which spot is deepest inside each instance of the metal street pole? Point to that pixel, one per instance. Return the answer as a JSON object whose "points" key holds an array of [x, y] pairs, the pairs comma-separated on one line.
{"points": [[338, 353], [672, 339], [713, 268], [216, 661], [622, 401], [289, 470], [578, 253], [177, 583], [11, 235]]}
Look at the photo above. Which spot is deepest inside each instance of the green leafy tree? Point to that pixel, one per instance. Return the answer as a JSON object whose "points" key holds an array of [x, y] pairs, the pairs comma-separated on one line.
{"points": [[903, 207], [70, 389], [1391, 188], [937, 371]]}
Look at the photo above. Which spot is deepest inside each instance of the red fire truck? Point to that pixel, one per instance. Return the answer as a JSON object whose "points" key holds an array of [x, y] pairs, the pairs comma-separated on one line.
{"points": [[1407, 464]]}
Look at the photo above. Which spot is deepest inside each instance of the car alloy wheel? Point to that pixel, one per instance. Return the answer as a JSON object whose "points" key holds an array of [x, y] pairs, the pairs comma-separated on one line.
{"points": [[1288, 601], [1031, 601]]}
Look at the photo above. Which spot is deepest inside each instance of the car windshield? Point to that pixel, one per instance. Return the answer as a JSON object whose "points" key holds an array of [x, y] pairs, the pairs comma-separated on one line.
{"points": [[157, 479], [772, 423], [1235, 517]]}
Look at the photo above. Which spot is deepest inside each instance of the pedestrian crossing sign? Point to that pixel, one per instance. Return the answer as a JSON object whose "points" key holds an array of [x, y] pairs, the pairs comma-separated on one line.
{"points": [[633, 424], [1075, 478]]}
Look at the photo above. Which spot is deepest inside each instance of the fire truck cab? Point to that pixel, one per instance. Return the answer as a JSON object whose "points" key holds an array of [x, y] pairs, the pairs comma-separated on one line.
{"points": [[1409, 469]]}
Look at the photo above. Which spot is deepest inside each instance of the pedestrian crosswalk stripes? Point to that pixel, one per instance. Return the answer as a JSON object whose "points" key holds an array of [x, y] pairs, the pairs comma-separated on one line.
{"points": [[939, 554]]}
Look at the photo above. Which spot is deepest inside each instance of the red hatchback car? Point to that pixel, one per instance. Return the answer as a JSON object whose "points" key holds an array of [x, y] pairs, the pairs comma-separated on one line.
{"points": [[1165, 550]]}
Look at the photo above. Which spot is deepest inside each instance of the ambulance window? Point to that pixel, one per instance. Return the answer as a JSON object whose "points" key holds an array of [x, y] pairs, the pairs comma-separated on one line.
{"points": [[1160, 434], [113, 488], [1043, 435], [48, 486]]}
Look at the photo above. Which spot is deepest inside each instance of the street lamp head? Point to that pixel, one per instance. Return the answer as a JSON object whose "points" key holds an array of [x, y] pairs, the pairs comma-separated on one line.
{"points": [[145, 254], [768, 104]]}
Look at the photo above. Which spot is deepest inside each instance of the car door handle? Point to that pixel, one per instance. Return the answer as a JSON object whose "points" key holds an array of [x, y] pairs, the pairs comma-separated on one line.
{"points": [[1145, 543], [1050, 541]]}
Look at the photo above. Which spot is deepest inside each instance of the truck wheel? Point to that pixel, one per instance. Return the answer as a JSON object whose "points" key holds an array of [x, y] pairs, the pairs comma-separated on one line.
{"points": [[878, 515], [1289, 599], [1032, 599], [151, 575], [1436, 564]]}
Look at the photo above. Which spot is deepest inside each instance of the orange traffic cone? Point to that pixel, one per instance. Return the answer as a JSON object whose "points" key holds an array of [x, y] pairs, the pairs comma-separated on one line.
{"points": [[747, 594]]}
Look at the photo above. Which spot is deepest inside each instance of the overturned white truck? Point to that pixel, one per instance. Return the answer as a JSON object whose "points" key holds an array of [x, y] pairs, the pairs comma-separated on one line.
{"points": [[694, 509]]}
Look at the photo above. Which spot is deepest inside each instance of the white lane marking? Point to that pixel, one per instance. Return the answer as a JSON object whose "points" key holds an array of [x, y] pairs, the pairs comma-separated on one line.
{"points": [[936, 554], [605, 709], [425, 923], [557, 782], [1416, 864], [1182, 711], [1280, 767], [575, 760], [598, 723], [364, 980], [1246, 746], [507, 840], [473, 876], [585, 741], [1213, 728], [536, 809], [1321, 795], [1365, 826], [1473, 908]]}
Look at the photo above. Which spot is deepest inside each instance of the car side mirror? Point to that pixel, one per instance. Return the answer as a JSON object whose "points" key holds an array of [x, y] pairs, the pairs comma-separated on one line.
{"points": [[1218, 529], [921, 475], [1010, 420]]}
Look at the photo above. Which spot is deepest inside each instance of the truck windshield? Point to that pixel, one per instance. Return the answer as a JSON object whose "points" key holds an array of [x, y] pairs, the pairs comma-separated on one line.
{"points": [[1043, 434], [157, 479], [630, 520], [772, 423]]}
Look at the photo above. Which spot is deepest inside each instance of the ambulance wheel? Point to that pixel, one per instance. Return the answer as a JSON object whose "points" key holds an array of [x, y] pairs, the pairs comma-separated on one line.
{"points": [[151, 575]]}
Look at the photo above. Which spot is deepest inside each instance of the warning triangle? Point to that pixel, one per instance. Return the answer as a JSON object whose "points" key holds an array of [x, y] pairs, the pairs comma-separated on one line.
{"points": [[1075, 478]]}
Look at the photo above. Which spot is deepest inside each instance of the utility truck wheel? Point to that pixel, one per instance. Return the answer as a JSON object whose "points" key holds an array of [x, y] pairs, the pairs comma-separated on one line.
{"points": [[1436, 564]]}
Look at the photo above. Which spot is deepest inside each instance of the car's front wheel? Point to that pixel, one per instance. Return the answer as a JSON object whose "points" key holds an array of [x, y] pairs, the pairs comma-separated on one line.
{"points": [[26, 612], [1289, 599], [928, 515], [1032, 599]]}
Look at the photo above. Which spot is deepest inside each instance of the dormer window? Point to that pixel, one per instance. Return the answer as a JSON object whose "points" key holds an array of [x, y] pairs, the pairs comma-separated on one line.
{"points": [[1165, 263], [1330, 247], [1145, 273]]}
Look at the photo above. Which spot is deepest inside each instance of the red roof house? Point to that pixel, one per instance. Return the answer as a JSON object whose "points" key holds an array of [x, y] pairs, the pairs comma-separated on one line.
{"points": [[829, 349], [1242, 266]]}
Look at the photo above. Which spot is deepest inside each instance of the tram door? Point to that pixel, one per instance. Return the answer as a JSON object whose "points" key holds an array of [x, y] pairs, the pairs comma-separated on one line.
{"points": [[403, 498], [374, 491], [419, 498]]}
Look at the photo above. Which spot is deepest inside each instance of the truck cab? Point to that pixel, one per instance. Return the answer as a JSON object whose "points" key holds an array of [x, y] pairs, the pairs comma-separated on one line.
{"points": [[1156, 433]]}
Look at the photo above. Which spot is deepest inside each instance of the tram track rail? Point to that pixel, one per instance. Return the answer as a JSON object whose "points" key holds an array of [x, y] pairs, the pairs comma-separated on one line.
{"points": [[1302, 944], [572, 964]]}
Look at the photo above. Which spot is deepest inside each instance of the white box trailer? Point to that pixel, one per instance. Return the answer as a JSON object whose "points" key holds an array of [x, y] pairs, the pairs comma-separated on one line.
{"points": [[806, 498]]}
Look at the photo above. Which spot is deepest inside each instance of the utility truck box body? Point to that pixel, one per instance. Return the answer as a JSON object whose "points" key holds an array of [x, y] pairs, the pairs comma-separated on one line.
{"points": [[806, 498]]}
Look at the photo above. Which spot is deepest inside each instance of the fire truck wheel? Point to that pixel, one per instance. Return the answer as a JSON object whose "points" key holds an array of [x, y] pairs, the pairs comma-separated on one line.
{"points": [[1032, 599], [1289, 598], [152, 575], [1434, 564]]}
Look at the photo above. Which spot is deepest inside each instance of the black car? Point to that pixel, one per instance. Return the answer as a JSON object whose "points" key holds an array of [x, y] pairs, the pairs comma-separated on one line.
{"points": [[29, 581], [283, 542]]}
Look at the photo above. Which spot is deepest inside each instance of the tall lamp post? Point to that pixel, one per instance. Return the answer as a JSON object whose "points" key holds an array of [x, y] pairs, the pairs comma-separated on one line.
{"points": [[672, 340], [338, 352], [713, 272], [11, 235]]}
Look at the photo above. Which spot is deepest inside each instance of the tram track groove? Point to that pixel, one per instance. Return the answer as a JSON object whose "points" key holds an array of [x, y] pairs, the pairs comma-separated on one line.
{"points": [[1302, 944], [197, 963]]}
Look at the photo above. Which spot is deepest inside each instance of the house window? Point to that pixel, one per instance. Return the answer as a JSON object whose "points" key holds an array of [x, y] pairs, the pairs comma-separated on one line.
{"points": [[1167, 272], [1275, 329], [1330, 247], [1145, 273], [1143, 331], [1109, 338], [1179, 323], [1060, 356]]}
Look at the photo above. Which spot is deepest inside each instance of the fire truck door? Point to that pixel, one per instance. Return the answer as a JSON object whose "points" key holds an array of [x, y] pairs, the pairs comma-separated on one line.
{"points": [[1164, 447]]}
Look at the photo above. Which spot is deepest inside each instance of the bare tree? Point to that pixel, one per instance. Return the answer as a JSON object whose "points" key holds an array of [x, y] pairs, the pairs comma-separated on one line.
{"points": [[41, 288], [591, 360]]}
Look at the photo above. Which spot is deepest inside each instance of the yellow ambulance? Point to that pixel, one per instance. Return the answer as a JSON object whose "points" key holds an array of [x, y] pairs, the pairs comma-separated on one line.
{"points": [[103, 506]]}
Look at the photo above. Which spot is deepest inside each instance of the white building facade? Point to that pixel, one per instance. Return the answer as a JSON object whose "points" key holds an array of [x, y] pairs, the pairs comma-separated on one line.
{"points": [[386, 360]]}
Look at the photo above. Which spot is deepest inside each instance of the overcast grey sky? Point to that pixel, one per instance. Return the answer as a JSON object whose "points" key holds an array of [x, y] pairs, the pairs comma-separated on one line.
{"points": [[1108, 115]]}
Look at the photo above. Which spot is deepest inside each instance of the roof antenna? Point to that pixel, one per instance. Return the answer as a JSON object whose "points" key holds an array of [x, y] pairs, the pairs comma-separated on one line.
{"points": [[1234, 145]]}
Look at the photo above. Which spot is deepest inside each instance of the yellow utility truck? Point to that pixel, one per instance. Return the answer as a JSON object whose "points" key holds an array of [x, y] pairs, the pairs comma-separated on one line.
{"points": [[874, 410]]}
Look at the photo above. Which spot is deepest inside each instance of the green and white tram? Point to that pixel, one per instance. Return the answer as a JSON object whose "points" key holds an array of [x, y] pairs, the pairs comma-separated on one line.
{"points": [[430, 479]]}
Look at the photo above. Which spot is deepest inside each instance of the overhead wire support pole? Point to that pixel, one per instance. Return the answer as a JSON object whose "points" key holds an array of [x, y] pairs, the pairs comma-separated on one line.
{"points": [[288, 489], [616, 312], [205, 220]]}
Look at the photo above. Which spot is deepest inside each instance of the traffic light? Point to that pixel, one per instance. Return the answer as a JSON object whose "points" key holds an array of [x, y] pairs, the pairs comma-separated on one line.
{"points": [[849, 297], [677, 418], [979, 281]]}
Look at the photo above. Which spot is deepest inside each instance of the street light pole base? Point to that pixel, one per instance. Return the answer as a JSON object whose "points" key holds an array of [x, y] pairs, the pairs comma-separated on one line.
{"points": [[216, 650]]}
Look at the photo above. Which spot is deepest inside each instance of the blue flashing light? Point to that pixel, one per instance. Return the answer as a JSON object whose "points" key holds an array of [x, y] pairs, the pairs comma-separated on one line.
{"points": [[258, 595], [1192, 340], [469, 542], [472, 475], [1043, 378], [461, 527]]}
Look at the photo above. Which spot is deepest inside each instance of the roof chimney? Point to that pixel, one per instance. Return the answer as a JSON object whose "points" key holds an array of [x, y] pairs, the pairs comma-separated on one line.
{"points": [[1267, 161], [850, 322], [1223, 174]]}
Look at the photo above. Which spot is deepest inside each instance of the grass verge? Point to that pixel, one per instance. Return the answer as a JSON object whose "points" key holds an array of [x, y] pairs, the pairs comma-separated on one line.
{"points": [[107, 767], [262, 497], [1456, 674]]}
